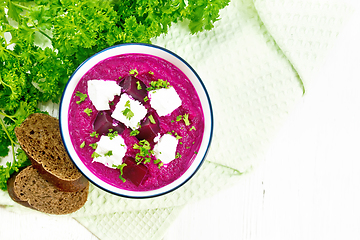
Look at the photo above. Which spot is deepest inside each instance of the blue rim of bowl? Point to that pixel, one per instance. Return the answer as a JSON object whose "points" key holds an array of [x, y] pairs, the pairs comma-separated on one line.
{"points": [[210, 109]]}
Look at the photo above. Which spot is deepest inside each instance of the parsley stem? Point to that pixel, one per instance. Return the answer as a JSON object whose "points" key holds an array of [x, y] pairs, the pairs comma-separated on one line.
{"points": [[12, 142], [8, 51], [43, 33], [5, 115], [21, 6]]}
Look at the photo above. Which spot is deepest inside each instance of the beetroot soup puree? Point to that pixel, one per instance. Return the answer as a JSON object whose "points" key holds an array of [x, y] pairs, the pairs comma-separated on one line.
{"points": [[150, 68]]}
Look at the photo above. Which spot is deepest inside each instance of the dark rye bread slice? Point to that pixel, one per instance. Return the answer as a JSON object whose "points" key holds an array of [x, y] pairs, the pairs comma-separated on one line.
{"points": [[39, 136], [28, 188]]}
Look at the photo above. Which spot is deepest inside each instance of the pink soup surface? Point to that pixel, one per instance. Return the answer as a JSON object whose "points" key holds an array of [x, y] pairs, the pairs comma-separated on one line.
{"points": [[114, 68]]}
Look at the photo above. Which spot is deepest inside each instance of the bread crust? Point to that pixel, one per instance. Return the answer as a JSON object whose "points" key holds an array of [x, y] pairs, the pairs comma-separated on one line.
{"points": [[28, 188], [39, 136], [61, 184]]}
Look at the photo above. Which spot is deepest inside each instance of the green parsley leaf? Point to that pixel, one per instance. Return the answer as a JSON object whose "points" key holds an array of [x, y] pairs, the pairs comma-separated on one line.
{"points": [[146, 99], [82, 97], [178, 155], [128, 113], [156, 161], [138, 87], [6, 171], [134, 72], [127, 104], [112, 135], [177, 136], [94, 134], [178, 118], [134, 132], [192, 128], [186, 119], [152, 120], [144, 154], [95, 155], [121, 168], [109, 153], [93, 145], [151, 73], [158, 84], [122, 178], [82, 145], [88, 111]]}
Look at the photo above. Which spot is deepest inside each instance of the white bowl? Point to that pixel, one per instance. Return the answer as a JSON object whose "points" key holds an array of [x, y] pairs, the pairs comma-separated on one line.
{"points": [[157, 52]]}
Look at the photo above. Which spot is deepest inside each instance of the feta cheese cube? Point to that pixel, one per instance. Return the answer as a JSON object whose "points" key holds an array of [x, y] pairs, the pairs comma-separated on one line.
{"points": [[116, 145], [165, 148], [164, 100], [129, 111], [101, 92]]}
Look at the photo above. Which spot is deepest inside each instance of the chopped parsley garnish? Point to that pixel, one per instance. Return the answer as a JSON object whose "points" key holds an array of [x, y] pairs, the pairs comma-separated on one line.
{"points": [[187, 147], [95, 155], [144, 154], [186, 119], [192, 128], [195, 152], [82, 96], [152, 120], [151, 73], [134, 132], [112, 135], [146, 99], [88, 111], [159, 163], [134, 72], [177, 136], [121, 168], [127, 112], [127, 104], [82, 145], [109, 153], [94, 134], [138, 87], [93, 145], [178, 155], [158, 84], [111, 103]]}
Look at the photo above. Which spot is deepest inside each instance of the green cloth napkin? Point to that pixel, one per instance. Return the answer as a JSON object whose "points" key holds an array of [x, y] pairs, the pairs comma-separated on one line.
{"points": [[256, 64]]}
